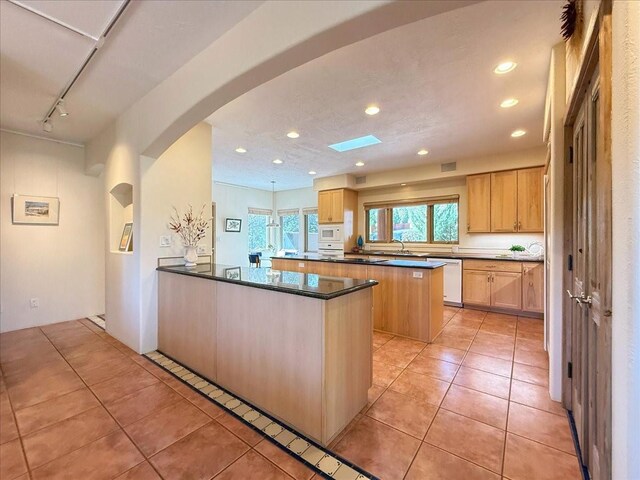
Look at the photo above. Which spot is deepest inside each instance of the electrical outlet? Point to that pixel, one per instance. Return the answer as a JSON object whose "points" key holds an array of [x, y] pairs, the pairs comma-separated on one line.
{"points": [[301, 264], [34, 303], [417, 274], [165, 241], [201, 250]]}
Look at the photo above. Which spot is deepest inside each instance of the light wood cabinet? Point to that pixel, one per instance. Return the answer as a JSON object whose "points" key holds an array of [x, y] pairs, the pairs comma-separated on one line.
{"points": [[530, 193], [504, 201], [506, 290], [331, 206], [476, 286], [479, 203], [533, 287]]}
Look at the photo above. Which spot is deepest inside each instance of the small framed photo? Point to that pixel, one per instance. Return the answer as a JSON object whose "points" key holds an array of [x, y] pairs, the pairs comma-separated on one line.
{"points": [[232, 225], [27, 209], [232, 273], [126, 244]]}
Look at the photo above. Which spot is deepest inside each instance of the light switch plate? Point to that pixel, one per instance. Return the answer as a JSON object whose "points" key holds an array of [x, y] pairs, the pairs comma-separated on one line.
{"points": [[165, 241], [417, 274]]}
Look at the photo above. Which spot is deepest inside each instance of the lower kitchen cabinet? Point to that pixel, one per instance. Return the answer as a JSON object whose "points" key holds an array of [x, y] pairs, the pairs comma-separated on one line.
{"points": [[533, 287], [505, 290], [476, 286]]}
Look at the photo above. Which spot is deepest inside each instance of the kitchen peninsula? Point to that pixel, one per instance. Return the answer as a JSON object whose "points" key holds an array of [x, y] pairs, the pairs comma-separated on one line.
{"points": [[280, 340], [408, 299]]}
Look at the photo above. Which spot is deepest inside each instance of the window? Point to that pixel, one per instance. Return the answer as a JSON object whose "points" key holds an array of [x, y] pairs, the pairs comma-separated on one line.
{"points": [[257, 232], [417, 221], [290, 231], [311, 232]]}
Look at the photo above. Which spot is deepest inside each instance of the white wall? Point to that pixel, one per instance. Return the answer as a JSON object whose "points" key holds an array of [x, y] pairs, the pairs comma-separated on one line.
{"points": [[61, 265], [234, 202], [297, 198], [452, 186], [625, 142]]}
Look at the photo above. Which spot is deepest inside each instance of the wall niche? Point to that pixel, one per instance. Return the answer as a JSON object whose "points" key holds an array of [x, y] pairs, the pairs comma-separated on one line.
{"points": [[120, 213]]}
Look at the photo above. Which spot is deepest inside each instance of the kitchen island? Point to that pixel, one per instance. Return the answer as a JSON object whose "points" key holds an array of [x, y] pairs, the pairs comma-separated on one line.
{"points": [[295, 345], [408, 299]]}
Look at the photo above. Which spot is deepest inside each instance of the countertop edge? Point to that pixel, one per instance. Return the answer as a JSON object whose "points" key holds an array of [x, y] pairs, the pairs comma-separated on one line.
{"points": [[455, 256], [431, 266], [319, 296]]}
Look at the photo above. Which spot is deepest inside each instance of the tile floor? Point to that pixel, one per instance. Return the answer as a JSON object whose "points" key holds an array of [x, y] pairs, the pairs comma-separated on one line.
{"points": [[76, 403]]}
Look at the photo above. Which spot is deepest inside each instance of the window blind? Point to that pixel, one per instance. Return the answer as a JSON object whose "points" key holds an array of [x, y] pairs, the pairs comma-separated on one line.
{"points": [[310, 211], [288, 211], [412, 201], [260, 211]]}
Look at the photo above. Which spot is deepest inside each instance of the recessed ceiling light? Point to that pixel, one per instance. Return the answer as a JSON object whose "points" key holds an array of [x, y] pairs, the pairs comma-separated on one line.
{"points": [[509, 102], [505, 67], [518, 133], [372, 110], [277, 161], [403, 184], [293, 134], [423, 152], [241, 150], [359, 164], [312, 172]]}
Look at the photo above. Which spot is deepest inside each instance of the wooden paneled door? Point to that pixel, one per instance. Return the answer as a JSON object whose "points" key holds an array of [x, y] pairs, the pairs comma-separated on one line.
{"points": [[530, 205], [504, 201], [479, 203], [590, 286]]}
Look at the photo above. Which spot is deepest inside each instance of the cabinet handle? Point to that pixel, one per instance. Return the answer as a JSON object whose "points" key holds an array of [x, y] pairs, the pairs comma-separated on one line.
{"points": [[519, 224], [468, 227], [492, 277], [488, 277], [515, 226]]}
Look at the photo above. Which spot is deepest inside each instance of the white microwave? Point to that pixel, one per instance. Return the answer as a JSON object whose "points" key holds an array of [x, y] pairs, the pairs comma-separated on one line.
{"points": [[330, 233]]}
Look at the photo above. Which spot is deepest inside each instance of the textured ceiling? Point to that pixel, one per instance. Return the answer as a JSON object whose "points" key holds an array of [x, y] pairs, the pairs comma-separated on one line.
{"points": [[150, 42], [433, 81]]}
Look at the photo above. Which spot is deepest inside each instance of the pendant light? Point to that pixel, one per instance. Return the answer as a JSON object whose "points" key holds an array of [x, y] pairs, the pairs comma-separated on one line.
{"points": [[272, 223]]}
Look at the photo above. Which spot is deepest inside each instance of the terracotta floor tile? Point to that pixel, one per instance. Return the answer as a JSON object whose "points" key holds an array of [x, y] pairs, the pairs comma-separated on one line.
{"points": [[39, 351], [57, 328], [544, 427], [380, 338], [200, 455], [431, 463], [131, 380], [27, 394], [98, 347], [379, 449], [527, 460], [372, 395], [467, 438], [452, 341], [49, 365], [535, 396], [101, 460], [55, 410], [286, 462], [529, 374], [451, 355], [477, 405], [493, 345], [433, 367], [166, 426], [383, 374], [137, 405], [239, 429], [12, 463], [395, 355], [142, 471], [65, 340], [493, 365], [8, 428], [63, 437], [459, 331], [483, 382], [404, 413], [406, 344], [253, 466], [471, 313], [537, 336], [535, 358], [469, 322], [420, 387], [533, 325], [96, 372]]}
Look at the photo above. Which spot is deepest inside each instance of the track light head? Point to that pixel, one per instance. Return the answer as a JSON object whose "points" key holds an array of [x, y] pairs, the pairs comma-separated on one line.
{"points": [[61, 110], [47, 126]]}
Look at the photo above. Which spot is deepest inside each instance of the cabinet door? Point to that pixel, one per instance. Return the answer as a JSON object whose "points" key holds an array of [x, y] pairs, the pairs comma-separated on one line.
{"points": [[476, 287], [504, 201], [337, 206], [324, 207], [479, 203], [530, 191], [506, 290], [533, 287]]}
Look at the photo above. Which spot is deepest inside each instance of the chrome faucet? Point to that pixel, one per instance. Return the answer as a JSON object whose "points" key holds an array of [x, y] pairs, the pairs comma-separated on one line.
{"points": [[402, 250]]}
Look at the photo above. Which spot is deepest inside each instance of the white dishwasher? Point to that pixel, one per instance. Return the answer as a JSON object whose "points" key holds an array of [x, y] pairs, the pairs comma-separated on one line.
{"points": [[452, 280]]}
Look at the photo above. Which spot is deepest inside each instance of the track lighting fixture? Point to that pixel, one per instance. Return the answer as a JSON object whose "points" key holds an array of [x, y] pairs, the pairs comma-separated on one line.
{"points": [[61, 110], [47, 126]]}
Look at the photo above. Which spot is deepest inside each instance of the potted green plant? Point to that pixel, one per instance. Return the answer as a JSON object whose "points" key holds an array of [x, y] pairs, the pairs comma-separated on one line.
{"points": [[516, 250]]}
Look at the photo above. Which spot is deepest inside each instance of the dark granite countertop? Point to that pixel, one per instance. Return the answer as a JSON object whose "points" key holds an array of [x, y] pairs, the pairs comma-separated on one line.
{"points": [[358, 261], [306, 284], [459, 256]]}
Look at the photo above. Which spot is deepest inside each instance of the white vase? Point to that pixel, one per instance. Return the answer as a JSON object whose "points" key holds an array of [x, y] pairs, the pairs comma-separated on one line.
{"points": [[190, 256]]}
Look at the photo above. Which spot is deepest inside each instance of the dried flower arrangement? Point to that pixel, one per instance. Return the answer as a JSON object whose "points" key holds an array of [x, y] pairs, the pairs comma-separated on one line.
{"points": [[191, 228]]}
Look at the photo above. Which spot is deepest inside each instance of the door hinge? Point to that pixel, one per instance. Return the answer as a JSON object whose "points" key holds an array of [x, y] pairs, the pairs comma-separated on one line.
{"points": [[569, 370], [570, 263], [570, 155]]}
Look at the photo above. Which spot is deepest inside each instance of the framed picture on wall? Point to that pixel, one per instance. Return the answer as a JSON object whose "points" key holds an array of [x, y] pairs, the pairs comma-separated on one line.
{"points": [[232, 225], [126, 244], [234, 273], [31, 210]]}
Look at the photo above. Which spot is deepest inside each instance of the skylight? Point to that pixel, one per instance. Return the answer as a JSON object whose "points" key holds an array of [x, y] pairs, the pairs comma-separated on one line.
{"points": [[355, 143]]}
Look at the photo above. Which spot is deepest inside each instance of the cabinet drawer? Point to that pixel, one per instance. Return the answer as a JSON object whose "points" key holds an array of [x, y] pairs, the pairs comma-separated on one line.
{"points": [[492, 265]]}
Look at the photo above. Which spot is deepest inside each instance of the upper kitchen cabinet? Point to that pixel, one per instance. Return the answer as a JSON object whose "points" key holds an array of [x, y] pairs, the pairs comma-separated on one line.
{"points": [[530, 191], [331, 206], [504, 201], [479, 203]]}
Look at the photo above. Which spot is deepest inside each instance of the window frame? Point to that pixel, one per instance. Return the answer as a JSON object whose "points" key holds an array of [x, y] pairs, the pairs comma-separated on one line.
{"points": [[267, 239], [306, 232], [428, 202], [282, 232]]}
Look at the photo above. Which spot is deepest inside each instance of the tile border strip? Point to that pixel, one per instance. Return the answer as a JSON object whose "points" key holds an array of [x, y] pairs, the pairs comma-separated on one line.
{"points": [[321, 460], [98, 320]]}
